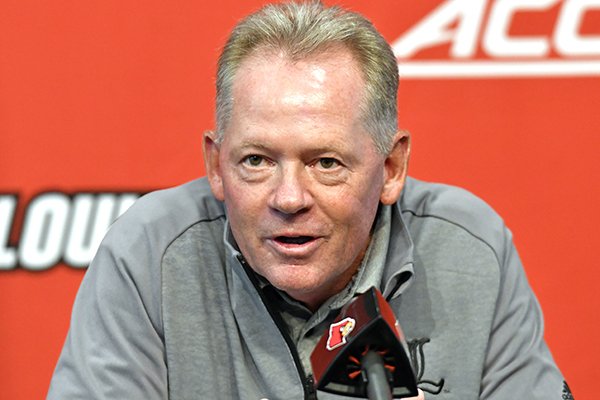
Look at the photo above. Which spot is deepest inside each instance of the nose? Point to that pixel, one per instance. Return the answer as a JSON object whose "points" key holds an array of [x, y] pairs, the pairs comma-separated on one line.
{"points": [[290, 194]]}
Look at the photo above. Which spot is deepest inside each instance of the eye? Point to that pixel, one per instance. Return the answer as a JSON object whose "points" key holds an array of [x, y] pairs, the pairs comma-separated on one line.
{"points": [[253, 160], [328, 163]]}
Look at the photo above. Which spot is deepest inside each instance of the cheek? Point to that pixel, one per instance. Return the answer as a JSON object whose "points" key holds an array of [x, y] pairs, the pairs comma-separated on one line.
{"points": [[359, 203], [243, 208], [355, 215], [359, 214], [234, 191]]}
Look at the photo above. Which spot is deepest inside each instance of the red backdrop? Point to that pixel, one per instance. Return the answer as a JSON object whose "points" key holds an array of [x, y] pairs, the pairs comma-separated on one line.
{"points": [[112, 97]]}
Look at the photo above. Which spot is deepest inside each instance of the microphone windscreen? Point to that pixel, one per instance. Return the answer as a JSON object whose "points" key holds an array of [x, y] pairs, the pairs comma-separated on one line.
{"points": [[366, 323]]}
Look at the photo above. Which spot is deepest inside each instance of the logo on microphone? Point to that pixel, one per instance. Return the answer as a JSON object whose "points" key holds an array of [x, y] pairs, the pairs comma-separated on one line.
{"points": [[338, 332]]}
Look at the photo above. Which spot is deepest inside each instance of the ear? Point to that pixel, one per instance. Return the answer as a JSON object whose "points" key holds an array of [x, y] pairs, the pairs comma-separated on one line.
{"points": [[212, 163], [395, 167]]}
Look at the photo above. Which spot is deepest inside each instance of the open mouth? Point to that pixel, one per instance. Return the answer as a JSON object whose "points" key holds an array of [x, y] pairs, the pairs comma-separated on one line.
{"points": [[294, 239]]}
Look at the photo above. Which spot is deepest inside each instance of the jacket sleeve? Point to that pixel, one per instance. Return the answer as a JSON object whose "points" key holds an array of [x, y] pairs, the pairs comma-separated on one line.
{"points": [[115, 345], [518, 363]]}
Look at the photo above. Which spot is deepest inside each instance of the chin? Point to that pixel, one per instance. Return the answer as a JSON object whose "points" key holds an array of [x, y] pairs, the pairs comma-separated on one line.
{"points": [[298, 281]]}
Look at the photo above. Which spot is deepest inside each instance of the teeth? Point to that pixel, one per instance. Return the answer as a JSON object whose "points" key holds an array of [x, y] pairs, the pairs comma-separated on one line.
{"points": [[294, 240]]}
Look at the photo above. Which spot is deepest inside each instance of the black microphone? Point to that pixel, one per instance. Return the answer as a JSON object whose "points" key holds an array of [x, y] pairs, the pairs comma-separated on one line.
{"points": [[364, 353]]}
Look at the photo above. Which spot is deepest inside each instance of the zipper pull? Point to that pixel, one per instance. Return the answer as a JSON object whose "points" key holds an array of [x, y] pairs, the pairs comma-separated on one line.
{"points": [[309, 388]]}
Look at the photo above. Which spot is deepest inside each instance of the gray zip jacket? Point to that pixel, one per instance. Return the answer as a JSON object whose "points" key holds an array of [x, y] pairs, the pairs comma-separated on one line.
{"points": [[167, 310]]}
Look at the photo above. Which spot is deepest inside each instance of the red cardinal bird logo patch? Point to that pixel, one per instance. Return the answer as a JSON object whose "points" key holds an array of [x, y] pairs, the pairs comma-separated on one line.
{"points": [[338, 332]]}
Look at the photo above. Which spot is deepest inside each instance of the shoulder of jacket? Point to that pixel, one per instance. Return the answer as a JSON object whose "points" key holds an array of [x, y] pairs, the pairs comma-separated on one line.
{"points": [[423, 200], [162, 215]]}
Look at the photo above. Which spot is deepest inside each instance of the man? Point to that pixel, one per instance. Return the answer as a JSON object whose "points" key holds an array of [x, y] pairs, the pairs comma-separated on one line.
{"points": [[221, 288]]}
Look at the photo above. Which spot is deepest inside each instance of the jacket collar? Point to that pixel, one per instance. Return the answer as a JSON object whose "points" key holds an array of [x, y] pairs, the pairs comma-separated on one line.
{"points": [[399, 263]]}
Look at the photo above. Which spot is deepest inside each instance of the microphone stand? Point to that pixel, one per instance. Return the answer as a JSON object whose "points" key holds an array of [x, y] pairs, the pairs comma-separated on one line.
{"points": [[374, 373]]}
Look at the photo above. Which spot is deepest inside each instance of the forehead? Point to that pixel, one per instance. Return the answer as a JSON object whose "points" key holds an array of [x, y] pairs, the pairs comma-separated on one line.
{"points": [[270, 79]]}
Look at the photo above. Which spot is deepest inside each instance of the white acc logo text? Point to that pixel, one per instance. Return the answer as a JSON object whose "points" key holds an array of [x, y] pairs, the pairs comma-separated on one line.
{"points": [[461, 23]]}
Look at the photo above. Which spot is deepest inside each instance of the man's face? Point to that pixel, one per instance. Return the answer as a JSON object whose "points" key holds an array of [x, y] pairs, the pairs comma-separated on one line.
{"points": [[299, 174]]}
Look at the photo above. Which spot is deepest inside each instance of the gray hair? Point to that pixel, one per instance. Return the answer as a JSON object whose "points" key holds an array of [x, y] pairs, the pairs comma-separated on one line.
{"points": [[304, 29]]}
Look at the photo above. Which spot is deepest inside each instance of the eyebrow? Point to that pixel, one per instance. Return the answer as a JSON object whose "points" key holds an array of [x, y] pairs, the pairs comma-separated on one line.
{"points": [[319, 148], [249, 144]]}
